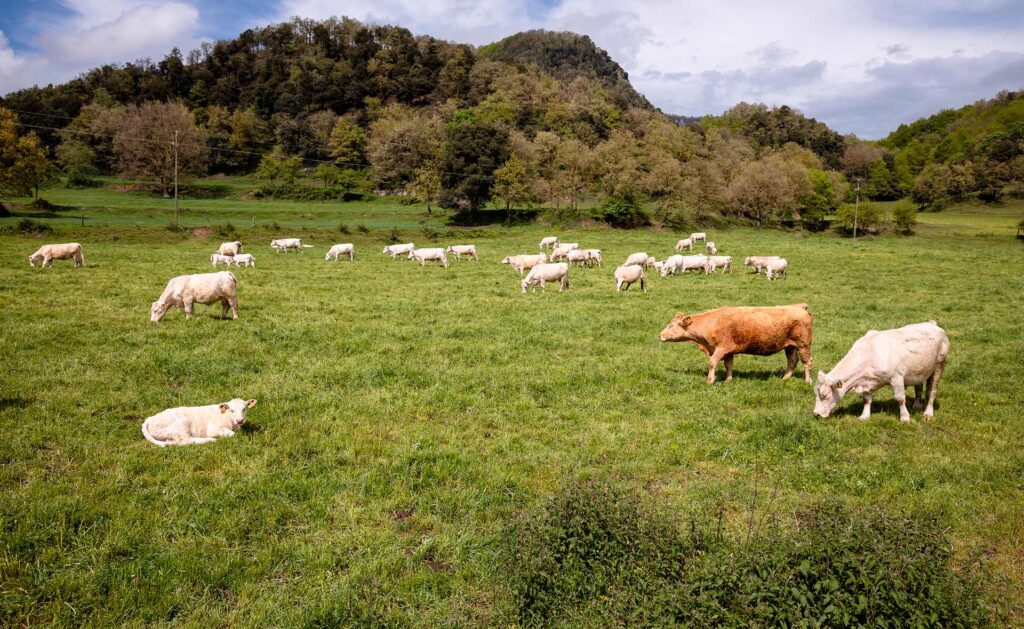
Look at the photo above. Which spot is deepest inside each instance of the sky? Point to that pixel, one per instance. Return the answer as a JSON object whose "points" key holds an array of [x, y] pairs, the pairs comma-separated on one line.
{"points": [[860, 66]]}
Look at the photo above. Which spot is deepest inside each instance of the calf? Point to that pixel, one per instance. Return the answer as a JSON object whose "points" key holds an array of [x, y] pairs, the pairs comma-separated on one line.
{"points": [[244, 259], [758, 262], [595, 256], [775, 268], [719, 262], [724, 332], [203, 288], [462, 250], [230, 248], [397, 250], [685, 243], [562, 250], [549, 241], [525, 261], [671, 265], [65, 251], [186, 425], [626, 274], [636, 258], [217, 258], [699, 261], [698, 236], [711, 247], [911, 355], [432, 253], [287, 244], [346, 248], [580, 256], [543, 273]]}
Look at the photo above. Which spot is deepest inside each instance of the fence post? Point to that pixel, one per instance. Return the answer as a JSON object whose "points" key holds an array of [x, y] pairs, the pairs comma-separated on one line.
{"points": [[83, 220]]}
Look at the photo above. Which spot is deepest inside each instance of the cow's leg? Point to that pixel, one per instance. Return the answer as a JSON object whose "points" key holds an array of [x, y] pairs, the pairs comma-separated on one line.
{"points": [[805, 358], [933, 390], [47, 261], [224, 308], [918, 397], [713, 362], [728, 367], [186, 305], [899, 393], [192, 440], [618, 286], [542, 288], [866, 413], [233, 301], [790, 363]]}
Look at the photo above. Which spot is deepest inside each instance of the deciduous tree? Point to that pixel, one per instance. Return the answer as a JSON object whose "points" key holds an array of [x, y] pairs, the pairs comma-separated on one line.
{"points": [[144, 145]]}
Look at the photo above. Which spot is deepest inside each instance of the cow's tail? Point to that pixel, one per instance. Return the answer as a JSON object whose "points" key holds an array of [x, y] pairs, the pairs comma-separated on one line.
{"points": [[79, 256], [150, 438], [307, 246]]}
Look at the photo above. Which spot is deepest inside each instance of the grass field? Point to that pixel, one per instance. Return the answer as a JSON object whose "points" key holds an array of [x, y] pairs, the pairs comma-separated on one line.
{"points": [[406, 414]]}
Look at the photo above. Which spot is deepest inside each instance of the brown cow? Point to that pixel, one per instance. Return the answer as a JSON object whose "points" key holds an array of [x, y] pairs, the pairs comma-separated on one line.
{"points": [[724, 332]]}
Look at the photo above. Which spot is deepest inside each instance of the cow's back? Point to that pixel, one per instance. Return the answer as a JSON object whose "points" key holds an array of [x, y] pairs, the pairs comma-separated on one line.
{"points": [[758, 330]]}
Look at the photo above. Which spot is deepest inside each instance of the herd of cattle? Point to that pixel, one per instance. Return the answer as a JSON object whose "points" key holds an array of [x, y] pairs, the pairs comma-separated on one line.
{"points": [[914, 355]]}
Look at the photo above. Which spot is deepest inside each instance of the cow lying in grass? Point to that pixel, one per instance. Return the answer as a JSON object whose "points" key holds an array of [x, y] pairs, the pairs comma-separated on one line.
{"points": [[187, 425]]}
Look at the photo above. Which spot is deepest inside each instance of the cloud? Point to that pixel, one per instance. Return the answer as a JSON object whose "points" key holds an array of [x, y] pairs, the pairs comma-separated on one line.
{"points": [[897, 50]]}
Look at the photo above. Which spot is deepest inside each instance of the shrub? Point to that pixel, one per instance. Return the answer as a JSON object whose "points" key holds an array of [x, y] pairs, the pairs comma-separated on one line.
{"points": [[275, 226], [343, 228], [227, 230], [80, 180], [394, 236], [904, 217], [362, 229], [30, 227], [622, 211], [869, 218], [297, 192]]}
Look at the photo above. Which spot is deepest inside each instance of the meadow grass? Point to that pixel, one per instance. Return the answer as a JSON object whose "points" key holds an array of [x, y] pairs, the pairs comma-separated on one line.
{"points": [[406, 414]]}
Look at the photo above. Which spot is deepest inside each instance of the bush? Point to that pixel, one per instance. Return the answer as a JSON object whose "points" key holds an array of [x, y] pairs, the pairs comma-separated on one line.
{"points": [[227, 230], [343, 228], [296, 192], [869, 219], [904, 217], [622, 211], [362, 229], [80, 180], [30, 227]]}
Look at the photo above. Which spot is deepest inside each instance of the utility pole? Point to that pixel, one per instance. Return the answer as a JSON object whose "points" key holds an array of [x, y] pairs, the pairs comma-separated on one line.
{"points": [[175, 177], [856, 210]]}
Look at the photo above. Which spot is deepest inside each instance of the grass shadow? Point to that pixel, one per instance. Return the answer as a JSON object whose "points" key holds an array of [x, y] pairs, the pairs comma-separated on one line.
{"points": [[14, 402], [480, 218]]}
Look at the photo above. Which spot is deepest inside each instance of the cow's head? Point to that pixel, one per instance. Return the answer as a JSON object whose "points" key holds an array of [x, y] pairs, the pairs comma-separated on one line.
{"points": [[507, 260], [32, 260], [157, 311], [236, 409], [746, 261], [677, 328], [827, 394]]}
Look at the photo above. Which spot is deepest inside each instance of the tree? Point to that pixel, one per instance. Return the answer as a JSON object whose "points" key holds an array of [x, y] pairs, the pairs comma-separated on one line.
{"points": [[427, 185], [348, 144], [471, 155], [23, 162], [511, 184], [828, 189], [78, 160], [882, 182], [400, 142], [904, 217], [144, 145], [328, 173], [769, 189], [931, 188], [273, 167]]}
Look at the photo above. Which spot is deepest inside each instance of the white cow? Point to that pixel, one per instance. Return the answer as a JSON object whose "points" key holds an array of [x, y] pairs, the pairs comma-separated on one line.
{"points": [[629, 273], [636, 258], [776, 268], [65, 251], [579, 256], [698, 236], [244, 259], [758, 262], [524, 261], [345, 248], [659, 266], [682, 264], [287, 244], [911, 355], [543, 273], [719, 262], [397, 250], [549, 241], [186, 425], [671, 265], [562, 250], [711, 247], [202, 288], [431, 253], [217, 258], [462, 250], [230, 248], [595, 256], [685, 243]]}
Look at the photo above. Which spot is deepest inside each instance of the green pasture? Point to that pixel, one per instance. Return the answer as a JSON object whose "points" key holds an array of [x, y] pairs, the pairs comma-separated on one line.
{"points": [[406, 414]]}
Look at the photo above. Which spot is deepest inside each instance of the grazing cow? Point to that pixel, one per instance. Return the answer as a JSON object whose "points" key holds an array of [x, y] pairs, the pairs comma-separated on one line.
{"points": [[711, 247], [287, 244], [659, 267], [217, 258], [230, 248], [699, 261], [397, 250], [345, 248], [636, 258], [462, 250], [719, 262], [580, 256], [724, 332], [595, 256], [549, 241], [629, 273], [685, 243], [432, 253], [698, 236], [758, 262], [562, 250], [543, 273], [244, 259], [65, 251], [775, 268], [525, 261], [202, 288], [911, 355], [671, 265], [186, 425]]}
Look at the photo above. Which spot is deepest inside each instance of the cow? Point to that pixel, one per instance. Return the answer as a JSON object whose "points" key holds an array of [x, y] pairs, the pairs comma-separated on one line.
{"points": [[431, 253], [549, 241], [626, 274], [524, 261], [699, 261], [580, 256], [64, 251], [562, 250], [685, 243], [230, 248], [397, 250], [217, 258], [547, 273], [244, 259], [698, 236], [345, 248], [462, 250], [758, 262], [711, 247], [287, 244], [912, 355], [776, 268], [595, 256], [719, 262], [188, 425], [636, 258], [202, 288], [724, 332]]}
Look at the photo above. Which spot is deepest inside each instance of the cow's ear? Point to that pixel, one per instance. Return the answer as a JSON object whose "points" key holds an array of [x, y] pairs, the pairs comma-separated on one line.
{"points": [[223, 408], [250, 403], [687, 321], [821, 376], [838, 384]]}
